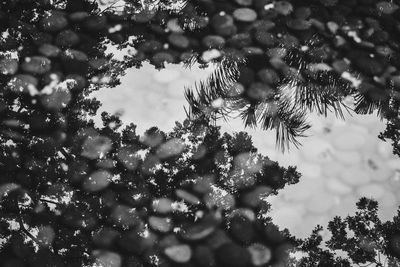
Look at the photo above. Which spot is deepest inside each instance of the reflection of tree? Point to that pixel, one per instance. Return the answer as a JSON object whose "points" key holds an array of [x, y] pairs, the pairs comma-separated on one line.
{"points": [[82, 193]]}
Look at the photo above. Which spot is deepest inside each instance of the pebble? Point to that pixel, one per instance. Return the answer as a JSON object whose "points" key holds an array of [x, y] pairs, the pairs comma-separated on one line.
{"points": [[127, 155], [337, 187], [95, 23], [298, 24], [260, 92], [78, 16], [287, 216], [179, 40], [8, 66], [160, 224], [54, 22], [318, 150], [219, 198], [260, 254], [375, 191], [213, 41], [162, 205], [49, 50], [67, 39], [268, 76], [160, 58], [233, 255], [266, 38], [320, 202], [124, 216], [244, 2], [348, 157], [283, 7], [106, 258], [167, 75], [188, 197], [254, 198], [245, 14], [349, 141], [179, 253], [204, 256], [79, 82], [97, 181], [23, 83], [355, 176], [36, 65], [201, 229], [171, 148], [96, 146], [310, 170], [241, 229], [386, 7]]}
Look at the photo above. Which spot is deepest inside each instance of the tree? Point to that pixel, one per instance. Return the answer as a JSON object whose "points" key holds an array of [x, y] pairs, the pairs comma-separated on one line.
{"points": [[358, 240], [84, 194]]}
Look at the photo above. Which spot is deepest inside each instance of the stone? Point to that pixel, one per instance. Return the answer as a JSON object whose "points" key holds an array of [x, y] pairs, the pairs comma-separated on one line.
{"points": [[223, 24], [352, 157], [125, 217], [336, 186], [23, 83], [178, 40], [204, 256], [201, 229], [310, 170], [49, 50], [283, 7], [179, 253], [268, 76], [36, 65], [302, 12], [260, 92], [244, 15], [355, 176], [241, 229], [97, 181], [79, 82], [244, 2], [254, 198], [318, 150], [260, 254], [187, 197], [320, 202], [106, 258], [349, 141], [58, 99], [160, 58], [67, 39], [219, 198], [75, 61], [8, 66], [386, 7], [96, 147], [265, 38], [233, 255], [78, 16], [54, 22], [167, 75], [162, 205], [213, 41], [298, 24], [95, 24], [171, 148], [160, 224]]}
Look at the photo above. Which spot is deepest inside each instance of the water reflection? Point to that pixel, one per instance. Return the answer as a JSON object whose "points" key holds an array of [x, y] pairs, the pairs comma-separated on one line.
{"points": [[80, 194]]}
